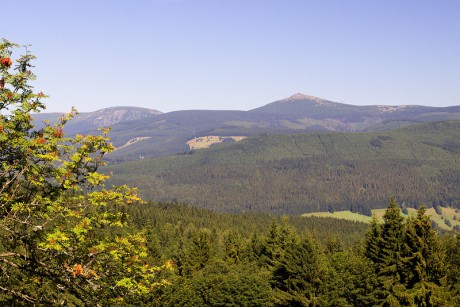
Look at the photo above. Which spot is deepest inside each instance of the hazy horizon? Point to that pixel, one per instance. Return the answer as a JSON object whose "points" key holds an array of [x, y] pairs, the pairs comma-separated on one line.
{"points": [[196, 109]]}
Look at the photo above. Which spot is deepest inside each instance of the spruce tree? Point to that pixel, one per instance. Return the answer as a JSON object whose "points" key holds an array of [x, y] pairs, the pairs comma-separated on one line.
{"points": [[353, 281], [275, 244], [423, 260], [453, 267], [194, 252], [392, 241], [383, 247], [301, 274], [233, 247], [408, 259], [373, 241]]}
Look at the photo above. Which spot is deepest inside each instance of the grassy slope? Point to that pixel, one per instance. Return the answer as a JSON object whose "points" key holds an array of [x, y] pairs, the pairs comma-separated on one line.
{"points": [[305, 172]]}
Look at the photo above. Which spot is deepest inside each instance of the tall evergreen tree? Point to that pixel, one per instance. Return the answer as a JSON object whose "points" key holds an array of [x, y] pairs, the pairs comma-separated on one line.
{"points": [[453, 267], [373, 241], [383, 248], [353, 281], [233, 247], [422, 258], [408, 259], [392, 239], [300, 274], [194, 252], [280, 236], [423, 272]]}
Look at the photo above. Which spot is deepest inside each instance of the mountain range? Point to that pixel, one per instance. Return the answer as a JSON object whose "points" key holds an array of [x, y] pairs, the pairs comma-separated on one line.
{"points": [[144, 133]]}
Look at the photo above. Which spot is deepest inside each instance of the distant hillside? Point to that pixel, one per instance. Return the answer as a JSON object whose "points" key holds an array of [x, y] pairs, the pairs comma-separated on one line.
{"points": [[168, 133], [302, 111], [309, 172], [90, 121], [299, 105]]}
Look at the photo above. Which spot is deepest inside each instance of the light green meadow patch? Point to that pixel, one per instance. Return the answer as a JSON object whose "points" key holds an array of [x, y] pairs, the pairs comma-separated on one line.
{"points": [[440, 220], [447, 215], [346, 215]]}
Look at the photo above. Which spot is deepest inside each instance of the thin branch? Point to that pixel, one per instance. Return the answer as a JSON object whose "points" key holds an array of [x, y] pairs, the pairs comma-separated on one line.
{"points": [[19, 294]]}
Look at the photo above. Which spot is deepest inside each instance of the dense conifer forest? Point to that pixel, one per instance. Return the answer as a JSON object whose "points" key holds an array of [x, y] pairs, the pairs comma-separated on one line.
{"points": [[294, 174], [223, 259]]}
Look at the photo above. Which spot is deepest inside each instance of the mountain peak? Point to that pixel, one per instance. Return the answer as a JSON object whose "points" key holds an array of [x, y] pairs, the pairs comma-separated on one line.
{"points": [[300, 96]]}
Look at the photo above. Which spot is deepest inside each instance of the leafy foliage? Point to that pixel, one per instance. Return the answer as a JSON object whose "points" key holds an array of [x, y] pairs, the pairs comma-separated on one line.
{"points": [[63, 239]]}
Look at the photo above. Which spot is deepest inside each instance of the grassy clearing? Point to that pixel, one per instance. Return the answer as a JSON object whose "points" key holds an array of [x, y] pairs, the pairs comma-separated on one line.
{"points": [[207, 141], [448, 214], [345, 215], [133, 141]]}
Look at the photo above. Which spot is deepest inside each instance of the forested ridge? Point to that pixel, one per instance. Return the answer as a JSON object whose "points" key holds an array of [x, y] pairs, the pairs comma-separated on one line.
{"points": [[309, 172]]}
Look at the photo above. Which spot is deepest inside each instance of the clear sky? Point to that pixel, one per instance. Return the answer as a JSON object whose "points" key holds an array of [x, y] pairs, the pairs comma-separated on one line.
{"points": [[238, 54]]}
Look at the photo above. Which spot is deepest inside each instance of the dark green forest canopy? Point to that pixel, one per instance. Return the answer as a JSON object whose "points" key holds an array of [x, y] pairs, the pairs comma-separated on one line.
{"points": [[309, 172], [254, 259], [161, 215]]}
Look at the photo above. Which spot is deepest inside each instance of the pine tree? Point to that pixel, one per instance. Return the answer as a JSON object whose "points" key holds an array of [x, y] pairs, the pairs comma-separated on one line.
{"points": [[384, 245], [353, 281], [453, 267], [408, 259], [333, 244], [392, 234], [373, 241], [194, 252], [233, 247], [275, 244], [423, 261], [300, 274]]}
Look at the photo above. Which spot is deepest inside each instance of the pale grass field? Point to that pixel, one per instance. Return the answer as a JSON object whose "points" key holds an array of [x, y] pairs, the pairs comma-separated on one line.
{"points": [[206, 141]]}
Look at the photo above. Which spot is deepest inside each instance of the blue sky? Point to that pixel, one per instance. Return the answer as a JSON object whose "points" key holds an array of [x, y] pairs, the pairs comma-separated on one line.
{"points": [[215, 54]]}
